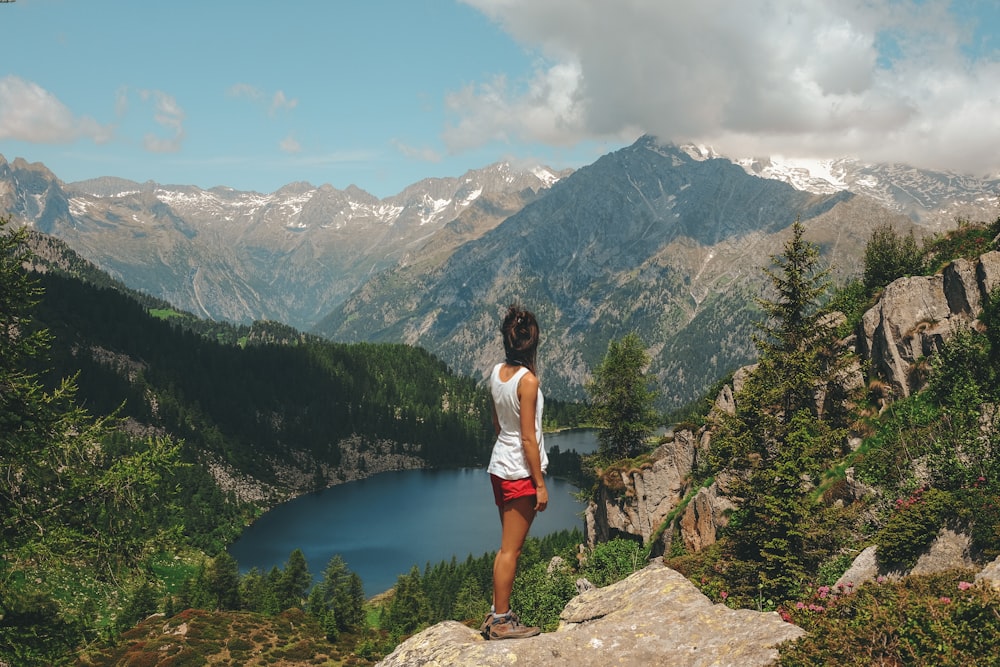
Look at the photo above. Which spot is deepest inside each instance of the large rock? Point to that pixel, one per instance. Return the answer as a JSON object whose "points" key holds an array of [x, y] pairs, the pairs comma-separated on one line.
{"points": [[916, 315], [637, 505], [948, 551], [703, 517], [654, 617]]}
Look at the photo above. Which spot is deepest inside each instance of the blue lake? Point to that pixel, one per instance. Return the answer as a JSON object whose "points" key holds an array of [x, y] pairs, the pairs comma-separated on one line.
{"points": [[384, 525]]}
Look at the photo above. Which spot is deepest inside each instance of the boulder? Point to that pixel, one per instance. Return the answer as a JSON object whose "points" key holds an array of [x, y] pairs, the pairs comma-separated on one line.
{"points": [[948, 551], [989, 576], [906, 324], [655, 617]]}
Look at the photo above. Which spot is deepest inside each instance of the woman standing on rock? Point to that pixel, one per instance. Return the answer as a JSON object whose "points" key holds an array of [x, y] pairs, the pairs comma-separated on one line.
{"points": [[517, 466]]}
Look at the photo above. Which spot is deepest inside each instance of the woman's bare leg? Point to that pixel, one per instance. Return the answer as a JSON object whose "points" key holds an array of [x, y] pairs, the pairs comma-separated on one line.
{"points": [[516, 517]]}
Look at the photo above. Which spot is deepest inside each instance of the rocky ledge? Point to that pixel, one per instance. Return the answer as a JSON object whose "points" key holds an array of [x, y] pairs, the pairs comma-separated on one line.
{"points": [[654, 617]]}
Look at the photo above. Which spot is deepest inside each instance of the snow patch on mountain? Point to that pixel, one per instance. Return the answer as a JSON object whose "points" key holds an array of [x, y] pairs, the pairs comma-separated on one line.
{"points": [[806, 174], [432, 209], [547, 178]]}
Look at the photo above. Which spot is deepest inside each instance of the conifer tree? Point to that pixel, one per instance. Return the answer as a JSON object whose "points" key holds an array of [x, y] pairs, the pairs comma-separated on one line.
{"points": [[778, 436], [68, 496], [294, 581], [790, 340], [409, 609], [339, 592], [223, 581], [622, 399]]}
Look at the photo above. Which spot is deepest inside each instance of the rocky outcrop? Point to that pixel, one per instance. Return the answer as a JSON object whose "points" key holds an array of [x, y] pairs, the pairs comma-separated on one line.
{"points": [[654, 617], [634, 502], [704, 516], [916, 315], [911, 321], [948, 551]]}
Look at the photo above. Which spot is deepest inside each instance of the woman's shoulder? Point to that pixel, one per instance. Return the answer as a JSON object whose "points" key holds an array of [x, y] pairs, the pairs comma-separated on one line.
{"points": [[527, 380]]}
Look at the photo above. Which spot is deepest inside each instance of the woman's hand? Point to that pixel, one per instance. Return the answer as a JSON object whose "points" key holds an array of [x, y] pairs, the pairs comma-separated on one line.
{"points": [[541, 498]]}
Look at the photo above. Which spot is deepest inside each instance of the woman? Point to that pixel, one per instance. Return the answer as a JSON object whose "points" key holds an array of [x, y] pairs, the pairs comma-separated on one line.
{"points": [[517, 466]]}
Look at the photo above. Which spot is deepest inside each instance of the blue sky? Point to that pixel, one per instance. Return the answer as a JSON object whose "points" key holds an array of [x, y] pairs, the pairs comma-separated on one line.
{"points": [[381, 93]]}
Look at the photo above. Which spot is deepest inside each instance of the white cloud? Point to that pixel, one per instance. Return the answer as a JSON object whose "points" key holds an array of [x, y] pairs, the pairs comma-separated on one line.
{"points": [[873, 78], [413, 152], [245, 90], [168, 115], [279, 101], [30, 113], [290, 145], [276, 101]]}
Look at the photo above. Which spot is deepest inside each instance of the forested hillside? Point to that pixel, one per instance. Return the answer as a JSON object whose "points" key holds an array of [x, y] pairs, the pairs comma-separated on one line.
{"points": [[261, 396], [118, 413]]}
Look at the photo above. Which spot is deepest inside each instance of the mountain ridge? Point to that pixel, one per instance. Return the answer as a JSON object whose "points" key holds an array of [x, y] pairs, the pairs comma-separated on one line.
{"points": [[343, 263]]}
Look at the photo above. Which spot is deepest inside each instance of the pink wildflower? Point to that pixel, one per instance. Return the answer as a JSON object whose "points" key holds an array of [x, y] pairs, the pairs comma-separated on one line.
{"points": [[724, 595], [800, 605], [823, 591], [964, 585], [944, 600]]}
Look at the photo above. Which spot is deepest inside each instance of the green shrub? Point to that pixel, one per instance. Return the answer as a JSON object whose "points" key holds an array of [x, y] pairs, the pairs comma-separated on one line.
{"points": [[938, 620], [539, 596], [970, 241], [912, 527], [889, 255], [613, 561]]}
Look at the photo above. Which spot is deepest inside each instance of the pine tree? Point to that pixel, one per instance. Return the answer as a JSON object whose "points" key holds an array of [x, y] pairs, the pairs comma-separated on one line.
{"points": [[790, 341], [778, 436], [622, 399], [409, 609], [294, 581], [72, 493], [223, 581], [339, 592]]}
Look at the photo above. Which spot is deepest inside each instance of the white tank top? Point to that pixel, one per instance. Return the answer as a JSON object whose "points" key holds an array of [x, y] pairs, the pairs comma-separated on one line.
{"points": [[508, 461]]}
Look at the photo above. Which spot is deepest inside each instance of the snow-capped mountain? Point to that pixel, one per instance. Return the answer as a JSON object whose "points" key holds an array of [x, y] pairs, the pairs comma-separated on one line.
{"points": [[935, 200], [290, 255], [668, 241]]}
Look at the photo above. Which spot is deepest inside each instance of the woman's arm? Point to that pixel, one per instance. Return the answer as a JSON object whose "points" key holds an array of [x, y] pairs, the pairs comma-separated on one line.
{"points": [[527, 395]]}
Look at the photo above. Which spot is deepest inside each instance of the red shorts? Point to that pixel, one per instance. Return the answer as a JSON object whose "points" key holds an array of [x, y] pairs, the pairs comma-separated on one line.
{"points": [[505, 490]]}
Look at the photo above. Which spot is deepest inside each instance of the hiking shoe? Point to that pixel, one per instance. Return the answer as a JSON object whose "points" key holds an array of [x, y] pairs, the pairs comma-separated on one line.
{"points": [[484, 629], [508, 626]]}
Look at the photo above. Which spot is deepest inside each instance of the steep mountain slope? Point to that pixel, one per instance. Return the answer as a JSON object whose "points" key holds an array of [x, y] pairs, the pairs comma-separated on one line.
{"points": [[289, 256], [648, 239], [270, 411]]}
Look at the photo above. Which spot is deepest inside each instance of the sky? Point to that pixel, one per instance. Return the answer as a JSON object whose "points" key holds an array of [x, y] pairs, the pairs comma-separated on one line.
{"points": [[383, 93]]}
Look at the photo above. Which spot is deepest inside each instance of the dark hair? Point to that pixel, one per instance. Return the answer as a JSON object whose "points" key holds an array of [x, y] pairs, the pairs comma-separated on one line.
{"points": [[520, 337]]}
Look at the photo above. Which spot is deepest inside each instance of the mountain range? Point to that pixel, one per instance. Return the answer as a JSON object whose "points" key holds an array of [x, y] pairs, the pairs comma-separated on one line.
{"points": [[664, 240]]}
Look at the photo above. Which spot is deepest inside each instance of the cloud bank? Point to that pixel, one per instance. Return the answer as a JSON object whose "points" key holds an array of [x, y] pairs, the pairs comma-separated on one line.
{"points": [[885, 80], [28, 112]]}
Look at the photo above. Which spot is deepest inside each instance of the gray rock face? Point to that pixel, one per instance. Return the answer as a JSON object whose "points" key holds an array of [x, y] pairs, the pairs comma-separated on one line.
{"points": [[654, 617], [647, 494], [916, 315]]}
